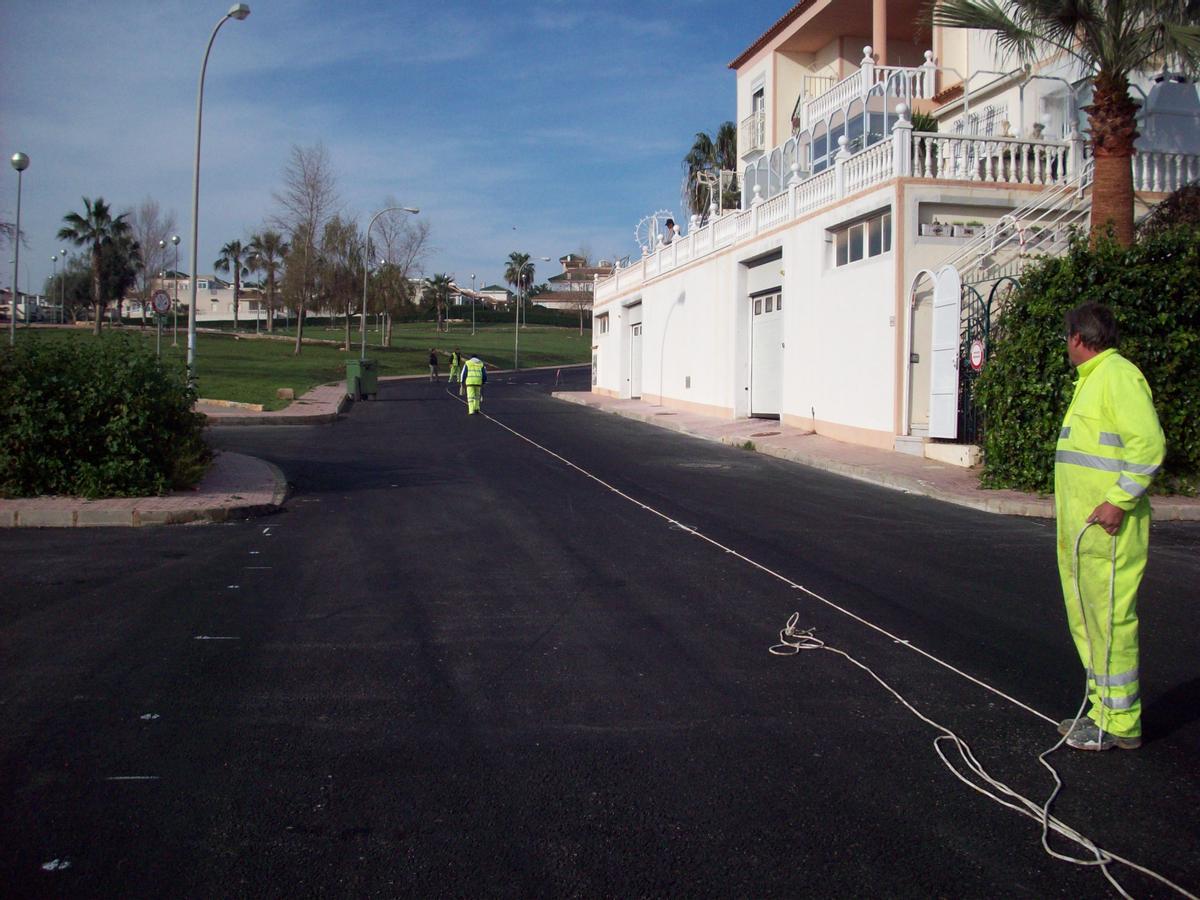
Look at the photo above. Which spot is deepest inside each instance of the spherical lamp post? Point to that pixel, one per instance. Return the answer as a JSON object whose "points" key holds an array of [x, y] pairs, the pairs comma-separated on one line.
{"points": [[20, 162]]}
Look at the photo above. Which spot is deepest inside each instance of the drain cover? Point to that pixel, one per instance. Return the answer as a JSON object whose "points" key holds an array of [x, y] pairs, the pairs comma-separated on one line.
{"points": [[764, 433]]}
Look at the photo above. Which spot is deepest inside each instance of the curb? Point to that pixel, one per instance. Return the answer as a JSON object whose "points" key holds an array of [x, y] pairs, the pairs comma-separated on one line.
{"points": [[83, 514], [283, 417], [1034, 506]]}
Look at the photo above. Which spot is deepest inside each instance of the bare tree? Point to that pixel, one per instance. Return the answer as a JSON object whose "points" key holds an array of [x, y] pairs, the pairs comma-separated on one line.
{"points": [[307, 201], [150, 225], [401, 243]]}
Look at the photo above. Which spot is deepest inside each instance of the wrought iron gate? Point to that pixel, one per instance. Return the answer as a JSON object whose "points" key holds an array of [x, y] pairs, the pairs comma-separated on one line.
{"points": [[979, 317]]}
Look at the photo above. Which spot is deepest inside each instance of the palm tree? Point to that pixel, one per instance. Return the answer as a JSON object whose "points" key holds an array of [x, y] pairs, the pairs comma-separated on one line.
{"points": [[1111, 40], [710, 154], [96, 229], [268, 250], [518, 271], [231, 258], [437, 289]]}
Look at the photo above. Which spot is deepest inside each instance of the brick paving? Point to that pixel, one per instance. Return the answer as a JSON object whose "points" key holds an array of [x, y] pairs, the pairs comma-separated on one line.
{"points": [[913, 474]]}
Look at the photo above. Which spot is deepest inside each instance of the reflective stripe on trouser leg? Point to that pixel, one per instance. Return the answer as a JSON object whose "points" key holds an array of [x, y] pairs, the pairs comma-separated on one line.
{"points": [[474, 397], [1114, 693]]}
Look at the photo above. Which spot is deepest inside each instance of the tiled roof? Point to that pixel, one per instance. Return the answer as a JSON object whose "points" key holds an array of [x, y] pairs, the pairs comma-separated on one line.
{"points": [[770, 33]]}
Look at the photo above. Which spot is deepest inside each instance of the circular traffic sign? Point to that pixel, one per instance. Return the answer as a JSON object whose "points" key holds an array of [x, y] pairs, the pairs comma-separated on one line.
{"points": [[977, 354], [161, 302]]}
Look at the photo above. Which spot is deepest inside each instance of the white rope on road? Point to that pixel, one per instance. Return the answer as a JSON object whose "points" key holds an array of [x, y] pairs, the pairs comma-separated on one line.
{"points": [[794, 640]]}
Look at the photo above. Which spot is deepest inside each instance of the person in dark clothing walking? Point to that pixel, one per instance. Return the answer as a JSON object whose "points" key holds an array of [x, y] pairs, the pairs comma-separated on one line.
{"points": [[433, 363]]}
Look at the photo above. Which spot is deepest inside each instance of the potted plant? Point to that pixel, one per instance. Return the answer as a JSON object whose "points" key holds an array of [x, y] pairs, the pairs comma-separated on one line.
{"points": [[968, 229], [934, 229]]}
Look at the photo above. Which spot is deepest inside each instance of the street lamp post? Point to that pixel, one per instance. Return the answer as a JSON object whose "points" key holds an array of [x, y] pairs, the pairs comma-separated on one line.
{"points": [[20, 162], [53, 276], [62, 291], [175, 330], [366, 244], [472, 304], [238, 11]]}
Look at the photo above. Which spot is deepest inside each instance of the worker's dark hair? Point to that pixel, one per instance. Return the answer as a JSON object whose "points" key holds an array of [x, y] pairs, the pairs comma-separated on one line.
{"points": [[1095, 325], [670, 222]]}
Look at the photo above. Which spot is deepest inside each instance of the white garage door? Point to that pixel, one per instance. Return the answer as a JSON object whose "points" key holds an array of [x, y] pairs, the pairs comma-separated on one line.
{"points": [[766, 354]]}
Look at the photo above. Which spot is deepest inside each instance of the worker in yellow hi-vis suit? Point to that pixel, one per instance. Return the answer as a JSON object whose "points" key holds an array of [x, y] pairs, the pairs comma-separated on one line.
{"points": [[1109, 448], [474, 376]]}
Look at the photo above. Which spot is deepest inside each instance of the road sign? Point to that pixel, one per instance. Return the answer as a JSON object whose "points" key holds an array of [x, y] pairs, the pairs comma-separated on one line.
{"points": [[977, 355], [161, 302]]}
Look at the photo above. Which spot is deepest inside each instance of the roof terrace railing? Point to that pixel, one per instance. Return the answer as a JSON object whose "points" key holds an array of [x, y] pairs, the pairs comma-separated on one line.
{"points": [[1061, 167]]}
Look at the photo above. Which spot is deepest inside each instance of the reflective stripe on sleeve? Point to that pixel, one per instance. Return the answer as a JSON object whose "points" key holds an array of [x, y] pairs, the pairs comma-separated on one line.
{"points": [[1131, 487], [1064, 434], [1108, 439], [1087, 460], [1138, 468]]}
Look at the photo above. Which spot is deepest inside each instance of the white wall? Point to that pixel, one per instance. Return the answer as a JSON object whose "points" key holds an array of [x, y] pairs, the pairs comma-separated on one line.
{"points": [[839, 354]]}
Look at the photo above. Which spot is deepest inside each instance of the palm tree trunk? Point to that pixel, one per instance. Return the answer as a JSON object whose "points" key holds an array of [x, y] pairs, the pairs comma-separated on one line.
{"points": [[1114, 130], [270, 302], [96, 302]]}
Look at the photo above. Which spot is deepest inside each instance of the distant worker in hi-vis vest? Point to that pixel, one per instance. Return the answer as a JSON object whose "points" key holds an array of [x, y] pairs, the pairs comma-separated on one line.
{"points": [[455, 364], [474, 376], [1109, 448]]}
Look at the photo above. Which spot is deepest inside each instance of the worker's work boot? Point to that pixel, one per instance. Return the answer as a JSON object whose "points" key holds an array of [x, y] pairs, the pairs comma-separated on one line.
{"points": [[1086, 735]]}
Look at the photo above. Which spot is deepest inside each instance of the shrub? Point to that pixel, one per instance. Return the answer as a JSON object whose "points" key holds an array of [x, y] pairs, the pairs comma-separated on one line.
{"points": [[1153, 288], [95, 418]]}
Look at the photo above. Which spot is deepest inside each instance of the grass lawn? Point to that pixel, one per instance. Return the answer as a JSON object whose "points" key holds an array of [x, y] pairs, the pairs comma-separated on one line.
{"points": [[250, 371]]}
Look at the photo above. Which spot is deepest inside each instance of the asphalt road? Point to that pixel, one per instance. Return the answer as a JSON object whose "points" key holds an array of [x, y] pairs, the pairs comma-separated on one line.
{"points": [[455, 665]]}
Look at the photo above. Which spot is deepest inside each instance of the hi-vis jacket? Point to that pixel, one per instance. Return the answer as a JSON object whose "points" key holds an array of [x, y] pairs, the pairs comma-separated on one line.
{"points": [[1111, 444], [473, 372], [1109, 449]]}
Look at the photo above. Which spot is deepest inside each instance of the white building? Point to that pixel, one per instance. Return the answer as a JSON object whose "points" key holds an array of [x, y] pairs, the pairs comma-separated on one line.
{"points": [[815, 302], [214, 298]]}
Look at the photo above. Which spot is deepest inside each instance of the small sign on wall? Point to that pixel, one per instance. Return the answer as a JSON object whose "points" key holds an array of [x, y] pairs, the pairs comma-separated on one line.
{"points": [[976, 354]]}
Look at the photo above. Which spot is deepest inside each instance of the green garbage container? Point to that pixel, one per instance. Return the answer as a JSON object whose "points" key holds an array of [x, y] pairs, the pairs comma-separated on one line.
{"points": [[362, 378]]}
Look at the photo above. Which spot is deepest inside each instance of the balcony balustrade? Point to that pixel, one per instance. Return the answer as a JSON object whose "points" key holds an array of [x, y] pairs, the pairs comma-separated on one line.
{"points": [[975, 159], [753, 133]]}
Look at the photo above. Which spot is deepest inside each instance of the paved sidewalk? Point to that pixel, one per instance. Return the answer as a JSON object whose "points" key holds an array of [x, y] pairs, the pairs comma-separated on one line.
{"points": [[320, 405], [915, 475], [235, 486]]}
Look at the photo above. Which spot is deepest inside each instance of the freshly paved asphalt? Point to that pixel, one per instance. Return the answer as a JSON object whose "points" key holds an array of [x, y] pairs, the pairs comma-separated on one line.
{"points": [[456, 666]]}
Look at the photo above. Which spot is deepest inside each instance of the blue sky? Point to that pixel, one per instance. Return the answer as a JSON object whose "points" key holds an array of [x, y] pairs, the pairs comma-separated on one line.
{"points": [[542, 126]]}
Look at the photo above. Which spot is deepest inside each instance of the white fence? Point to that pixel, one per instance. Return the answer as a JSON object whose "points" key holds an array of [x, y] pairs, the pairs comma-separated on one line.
{"points": [[974, 159]]}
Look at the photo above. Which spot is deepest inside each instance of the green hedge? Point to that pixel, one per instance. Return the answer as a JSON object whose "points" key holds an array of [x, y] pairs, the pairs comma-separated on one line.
{"points": [[1153, 289], [95, 419]]}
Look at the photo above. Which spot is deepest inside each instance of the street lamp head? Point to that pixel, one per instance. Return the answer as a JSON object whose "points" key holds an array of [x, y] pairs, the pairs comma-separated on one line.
{"points": [[411, 209], [238, 11], [20, 162], [175, 239], [54, 258], [162, 244]]}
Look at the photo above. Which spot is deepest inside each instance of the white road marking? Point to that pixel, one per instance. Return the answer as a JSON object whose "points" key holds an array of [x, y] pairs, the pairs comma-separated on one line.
{"points": [[149, 717], [762, 568], [56, 865], [133, 778], [211, 637]]}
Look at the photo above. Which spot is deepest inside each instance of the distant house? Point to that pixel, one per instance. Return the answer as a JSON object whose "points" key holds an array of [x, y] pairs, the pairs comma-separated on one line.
{"points": [[572, 287], [495, 295], [214, 297]]}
